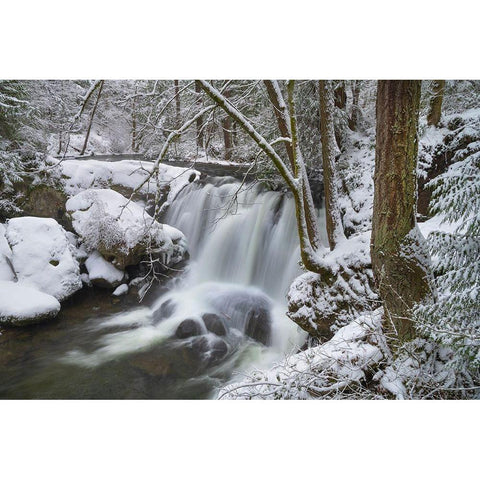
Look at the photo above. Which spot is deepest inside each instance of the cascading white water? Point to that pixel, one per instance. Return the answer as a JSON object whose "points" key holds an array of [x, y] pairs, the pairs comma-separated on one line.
{"points": [[243, 245], [248, 238]]}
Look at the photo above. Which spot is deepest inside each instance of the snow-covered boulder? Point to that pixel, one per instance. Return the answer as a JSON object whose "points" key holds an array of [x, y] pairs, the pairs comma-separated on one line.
{"points": [[22, 305], [6, 271], [121, 231], [322, 304], [102, 273], [42, 256]]}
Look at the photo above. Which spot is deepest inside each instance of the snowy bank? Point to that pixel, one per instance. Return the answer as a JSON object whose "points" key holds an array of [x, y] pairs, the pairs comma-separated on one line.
{"points": [[321, 305], [124, 176], [42, 256], [22, 305], [336, 368]]}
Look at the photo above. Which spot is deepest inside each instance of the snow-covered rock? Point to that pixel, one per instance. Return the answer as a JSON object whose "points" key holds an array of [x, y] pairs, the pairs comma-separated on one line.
{"points": [[120, 290], [320, 305], [102, 273], [124, 176], [42, 256], [22, 305], [6, 272], [121, 230]]}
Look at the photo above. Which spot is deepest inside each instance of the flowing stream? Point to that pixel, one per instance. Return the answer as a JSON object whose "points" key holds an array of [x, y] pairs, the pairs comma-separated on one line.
{"points": [[243, 256]]}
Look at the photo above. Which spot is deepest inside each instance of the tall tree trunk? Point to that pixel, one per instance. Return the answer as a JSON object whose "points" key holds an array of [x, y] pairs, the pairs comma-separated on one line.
{"points": [[397, 244], [340, 95], [329, 152], [60, 143], [198, 91], [227, 132], [435, 112], [134, 122], [282, 116], [353, 121], [177, 104], [92, 115]]}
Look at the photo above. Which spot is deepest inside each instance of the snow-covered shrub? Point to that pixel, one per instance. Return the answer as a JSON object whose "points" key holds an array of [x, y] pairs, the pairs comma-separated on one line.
{"points": [[346, 366], [453, 319]]}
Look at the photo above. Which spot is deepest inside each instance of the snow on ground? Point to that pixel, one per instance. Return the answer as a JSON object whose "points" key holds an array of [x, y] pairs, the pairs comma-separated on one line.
{"points": [[127, 175], [21, 304], [331, 369], [6, 272], [103, 273], [106, 221], [42, 256]]}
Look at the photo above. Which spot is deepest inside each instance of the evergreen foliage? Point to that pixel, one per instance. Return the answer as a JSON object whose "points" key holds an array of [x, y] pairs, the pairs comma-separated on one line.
{"points": [[453, 319]]}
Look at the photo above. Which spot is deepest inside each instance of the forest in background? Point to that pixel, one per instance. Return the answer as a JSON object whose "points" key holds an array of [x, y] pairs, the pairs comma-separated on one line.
{"points": [[289, 134]]}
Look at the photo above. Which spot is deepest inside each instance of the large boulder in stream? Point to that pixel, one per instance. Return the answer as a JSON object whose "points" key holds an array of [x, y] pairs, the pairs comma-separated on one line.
{"points": [[22, 305], [42, 256], [248, 310], [188, 328], [121, 231], [214, 323]]}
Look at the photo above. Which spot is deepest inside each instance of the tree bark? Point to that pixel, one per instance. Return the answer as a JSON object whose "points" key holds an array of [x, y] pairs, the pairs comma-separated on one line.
{"points": [[227, 131], [399, 261], [198, 91], [282, 116], [92, 115], [353, 121], [177, 104], [436, 100], [134, 122], [329, 152], [340, 95]]}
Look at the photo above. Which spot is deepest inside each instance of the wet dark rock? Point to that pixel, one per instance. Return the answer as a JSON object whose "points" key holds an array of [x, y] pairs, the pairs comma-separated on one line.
{"points": [[258, 326], [188, 328], [247, 311], [214, 324], [165, 311], [218, 350]]}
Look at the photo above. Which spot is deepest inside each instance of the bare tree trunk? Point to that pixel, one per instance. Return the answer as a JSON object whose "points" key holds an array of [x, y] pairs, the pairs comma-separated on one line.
{"points": [[329, 152], [92, 115], [282, 116], [198, 91], [436, 100], [340, 95], [353, 121], [177, 104], [134, 123], [396, 244], [227, 132], [60, 143]]}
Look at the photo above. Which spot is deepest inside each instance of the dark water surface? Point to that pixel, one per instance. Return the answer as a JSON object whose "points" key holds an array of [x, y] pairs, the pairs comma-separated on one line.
{"points": [[32, 359]]}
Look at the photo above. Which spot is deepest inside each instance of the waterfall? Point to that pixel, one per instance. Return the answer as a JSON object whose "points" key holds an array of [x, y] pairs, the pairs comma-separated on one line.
{"points": [[244, 254], [247, 238]]}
